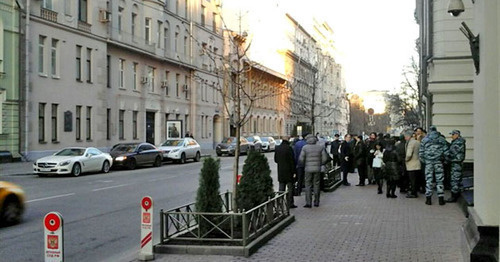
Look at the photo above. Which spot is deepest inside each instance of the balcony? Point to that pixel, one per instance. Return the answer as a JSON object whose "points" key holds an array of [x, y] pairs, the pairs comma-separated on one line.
{"points": [[84, 26], [48, 14]]}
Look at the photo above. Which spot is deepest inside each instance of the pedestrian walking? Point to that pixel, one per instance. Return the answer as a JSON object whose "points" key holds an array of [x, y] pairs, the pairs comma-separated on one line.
{"points": [[377, 164], [346, 158], [334, 150], [283, 156], [360, 159], [370, 148], [432, 152], [391, 167], [412, 162], [299, 168], [312, 157], [456, 155]]}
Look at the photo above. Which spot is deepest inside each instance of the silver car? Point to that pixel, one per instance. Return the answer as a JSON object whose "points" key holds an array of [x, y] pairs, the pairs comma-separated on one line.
{"points": [[181, 149], [268, 143]]}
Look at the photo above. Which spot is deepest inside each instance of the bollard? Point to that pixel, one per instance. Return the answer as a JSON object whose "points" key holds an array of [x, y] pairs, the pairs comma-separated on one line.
{"points": [[146, 252], [53, 237]]}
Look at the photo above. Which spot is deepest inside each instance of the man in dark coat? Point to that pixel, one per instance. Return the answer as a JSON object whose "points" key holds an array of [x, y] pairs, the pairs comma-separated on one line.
{"points": [[334, 150], [370, 149], [283, 156], [346, 158], [360, 159]]}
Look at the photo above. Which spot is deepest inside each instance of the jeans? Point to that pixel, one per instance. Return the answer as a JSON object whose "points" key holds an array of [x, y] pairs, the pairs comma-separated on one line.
{"points": [[312, 184]]}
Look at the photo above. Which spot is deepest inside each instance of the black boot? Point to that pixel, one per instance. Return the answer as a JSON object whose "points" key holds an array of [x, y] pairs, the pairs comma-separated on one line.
{"points": [[441, 201], [428, 201], [453, 198]]}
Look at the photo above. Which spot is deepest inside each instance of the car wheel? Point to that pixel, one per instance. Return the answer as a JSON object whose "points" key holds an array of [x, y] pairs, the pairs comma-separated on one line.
{"points": [[197, 157], [77, 170], [157, 162], [11, 212], [132, 164], [183, 158], [105, 167], [219, 154]]}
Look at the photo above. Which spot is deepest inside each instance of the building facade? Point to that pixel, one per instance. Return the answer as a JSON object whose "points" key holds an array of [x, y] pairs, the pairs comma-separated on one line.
{"points": [[105, 72], [10, 84]]}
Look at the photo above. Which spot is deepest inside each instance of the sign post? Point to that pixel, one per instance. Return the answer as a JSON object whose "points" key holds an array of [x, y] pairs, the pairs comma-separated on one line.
{"points": [[146, 252], [53, 237]]}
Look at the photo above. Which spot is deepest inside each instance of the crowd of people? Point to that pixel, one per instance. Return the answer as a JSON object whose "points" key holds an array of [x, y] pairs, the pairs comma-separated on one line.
{"points": [[415, 162]]}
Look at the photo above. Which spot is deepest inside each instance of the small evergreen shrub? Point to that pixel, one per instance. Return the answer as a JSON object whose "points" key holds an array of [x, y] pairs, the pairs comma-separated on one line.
{"points": [[256, 184], [207, 197]]}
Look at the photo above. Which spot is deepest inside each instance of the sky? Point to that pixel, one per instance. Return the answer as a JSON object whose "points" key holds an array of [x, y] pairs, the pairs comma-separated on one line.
{"points": [[375, 39]]}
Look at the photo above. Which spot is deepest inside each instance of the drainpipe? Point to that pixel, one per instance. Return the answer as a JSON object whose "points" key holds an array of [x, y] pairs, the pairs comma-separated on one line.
{"points": [[27, 80]]}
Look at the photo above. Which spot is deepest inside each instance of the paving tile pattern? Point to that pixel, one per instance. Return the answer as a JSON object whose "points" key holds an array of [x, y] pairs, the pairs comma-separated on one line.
{"points": [[357, 224]]}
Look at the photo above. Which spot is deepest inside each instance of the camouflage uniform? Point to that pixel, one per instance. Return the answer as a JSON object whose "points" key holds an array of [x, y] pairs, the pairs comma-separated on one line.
{"points": [[432, 153], [456, 155]]}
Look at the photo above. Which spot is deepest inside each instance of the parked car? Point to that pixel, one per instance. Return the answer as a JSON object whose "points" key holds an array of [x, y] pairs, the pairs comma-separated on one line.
{"points": [[268, 143], [75, 161], [228, 146], [278, 141], [132, 155], [12, 199], [180, 149], [255, 143]]}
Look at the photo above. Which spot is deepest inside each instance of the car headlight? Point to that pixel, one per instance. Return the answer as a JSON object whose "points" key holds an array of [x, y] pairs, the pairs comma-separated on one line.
{"points": [[121, 158], [65, 163], [175, 150]]}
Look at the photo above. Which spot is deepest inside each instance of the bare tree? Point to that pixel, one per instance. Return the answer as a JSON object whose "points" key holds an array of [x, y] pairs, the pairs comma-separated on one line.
{"points": [[404, 103]]}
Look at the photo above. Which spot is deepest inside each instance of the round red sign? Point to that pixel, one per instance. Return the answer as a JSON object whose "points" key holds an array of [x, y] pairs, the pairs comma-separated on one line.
{"points": [[52, 222], [146, 203]]}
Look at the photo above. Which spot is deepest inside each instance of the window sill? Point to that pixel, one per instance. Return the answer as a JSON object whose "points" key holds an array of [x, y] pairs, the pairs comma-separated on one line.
{"points": [[89, 82], [42, 75], [79, 140], [56, 77], [122, 88], [79, 80], [55, 142], [121, 139], [89, 140]]}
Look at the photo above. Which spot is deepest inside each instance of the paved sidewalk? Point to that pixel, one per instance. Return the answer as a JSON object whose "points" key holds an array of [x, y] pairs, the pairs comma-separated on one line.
{"points": [[355, 224]]}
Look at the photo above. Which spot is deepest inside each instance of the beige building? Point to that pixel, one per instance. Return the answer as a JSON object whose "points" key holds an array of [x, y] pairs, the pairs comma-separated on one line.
{"points": [[463, 93], [105, 72]]}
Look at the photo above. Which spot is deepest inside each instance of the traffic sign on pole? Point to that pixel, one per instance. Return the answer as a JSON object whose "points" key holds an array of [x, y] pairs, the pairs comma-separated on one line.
{"points": [[146, 252], [53, 237]]}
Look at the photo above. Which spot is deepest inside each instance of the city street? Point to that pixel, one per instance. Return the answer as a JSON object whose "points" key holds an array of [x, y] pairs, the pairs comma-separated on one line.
{"points": [[101, 211]]}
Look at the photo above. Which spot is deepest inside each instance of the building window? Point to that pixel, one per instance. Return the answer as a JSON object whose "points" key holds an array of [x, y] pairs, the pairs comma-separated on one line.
{"points": [[176, 42], [147, 30], [186, 9], [41, 122], [177, 7], [158, 34], [88, 122], [203, 15], [41, 54], [134, 69], [202, 126], [89, 65], [47, 4], [82, 10], [165, 39], [121, 124], [186, 47], [151, 79], [78, 63], [121, 73], [54, 122], [134, 124], [214, 22], [54, 57], [165, 83], [78, 123], [67, 7], [108, 71], [108, 123], [177, 79], [185, 87], [120, 9], [132, 22]]}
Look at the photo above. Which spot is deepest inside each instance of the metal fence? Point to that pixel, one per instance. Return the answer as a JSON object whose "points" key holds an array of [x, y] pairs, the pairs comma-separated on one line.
{"points": [[239, 228]]}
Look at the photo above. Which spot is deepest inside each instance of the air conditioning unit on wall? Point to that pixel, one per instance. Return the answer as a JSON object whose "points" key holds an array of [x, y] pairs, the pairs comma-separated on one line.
{"points": [[104, 16]]}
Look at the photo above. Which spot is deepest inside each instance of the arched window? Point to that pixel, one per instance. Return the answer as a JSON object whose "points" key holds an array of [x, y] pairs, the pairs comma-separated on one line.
{"points": [[176, 40]]}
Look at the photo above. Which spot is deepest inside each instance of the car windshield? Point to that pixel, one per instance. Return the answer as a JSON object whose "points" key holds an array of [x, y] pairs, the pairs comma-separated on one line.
{"points": [[228, 140], [71, 152], [250, 139], [173, 142], [265, 139], [125, 148]]}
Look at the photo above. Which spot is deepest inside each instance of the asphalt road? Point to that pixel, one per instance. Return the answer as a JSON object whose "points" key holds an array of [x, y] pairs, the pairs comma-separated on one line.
{"points": [[101, 212]]}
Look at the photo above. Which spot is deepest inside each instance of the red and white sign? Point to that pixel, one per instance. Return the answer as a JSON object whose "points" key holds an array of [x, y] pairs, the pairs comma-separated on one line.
{"points": [[53, 237], [146, 252]]}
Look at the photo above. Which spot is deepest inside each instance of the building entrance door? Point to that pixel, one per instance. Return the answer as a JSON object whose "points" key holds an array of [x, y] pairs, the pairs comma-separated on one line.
{"points": [[150, 127]]}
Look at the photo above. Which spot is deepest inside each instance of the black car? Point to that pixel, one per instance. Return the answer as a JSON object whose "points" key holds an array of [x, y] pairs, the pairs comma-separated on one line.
{"points": [[228, 146], [131, 155]]}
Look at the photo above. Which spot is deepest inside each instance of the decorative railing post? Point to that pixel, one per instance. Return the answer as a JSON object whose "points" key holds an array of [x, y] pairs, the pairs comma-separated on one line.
{"points": [[269, 210], [244, 225], [162, 226]]}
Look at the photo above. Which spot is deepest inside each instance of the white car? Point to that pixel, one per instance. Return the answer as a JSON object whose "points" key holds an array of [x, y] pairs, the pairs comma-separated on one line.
{"points": [[75, 161], [268, 143], [181, 149]]}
